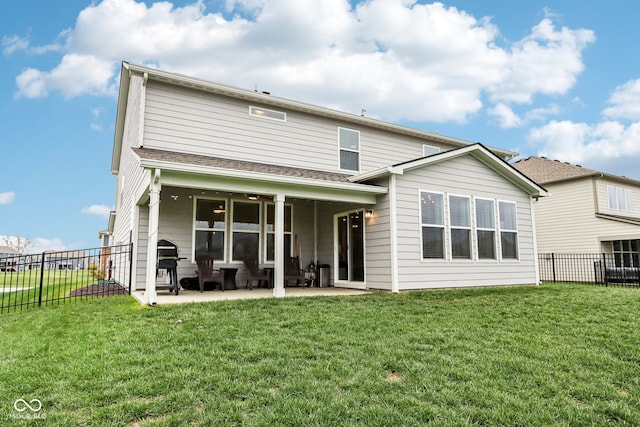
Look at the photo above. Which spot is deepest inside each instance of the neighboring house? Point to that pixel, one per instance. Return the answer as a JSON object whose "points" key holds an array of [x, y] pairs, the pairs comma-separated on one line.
{"points": [[8, 259], [588, 211], [232, 173], [67, 260]]}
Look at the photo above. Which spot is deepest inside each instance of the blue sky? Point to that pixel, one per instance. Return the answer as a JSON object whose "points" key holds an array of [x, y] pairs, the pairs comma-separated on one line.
{"points": [[555, 78]]}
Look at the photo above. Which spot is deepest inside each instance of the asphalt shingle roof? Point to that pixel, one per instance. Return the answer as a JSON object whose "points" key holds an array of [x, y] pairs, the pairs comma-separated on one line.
{"points": [[543, 170], [222, 163]]}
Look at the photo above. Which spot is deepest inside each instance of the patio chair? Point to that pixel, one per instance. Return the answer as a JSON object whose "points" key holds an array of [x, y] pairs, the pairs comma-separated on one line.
{"points": [[254, 273], [206, 272], [292, 271]]}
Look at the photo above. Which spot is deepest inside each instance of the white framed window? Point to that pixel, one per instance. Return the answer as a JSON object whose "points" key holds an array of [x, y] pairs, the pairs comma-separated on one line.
{"points": [[460, 226], [270, 217], [620, 199], [508, 230], [485, 228], [428, 150], [245, 230], [210, 220], [267, 114], [349, 142], [432, 224], [625, 253]]}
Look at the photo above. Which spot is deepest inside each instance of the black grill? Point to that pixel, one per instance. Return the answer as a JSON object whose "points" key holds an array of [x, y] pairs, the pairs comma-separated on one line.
{"points": [[167, 254], [168, 260]]}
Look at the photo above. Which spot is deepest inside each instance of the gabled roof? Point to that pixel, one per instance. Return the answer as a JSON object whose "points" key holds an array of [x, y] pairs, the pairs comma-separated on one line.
{"points": [[478, 151], [265, 99], [547, 171]]}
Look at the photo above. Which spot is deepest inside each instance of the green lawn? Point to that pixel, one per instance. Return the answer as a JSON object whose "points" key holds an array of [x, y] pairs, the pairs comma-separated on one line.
{"points": [[22, 289], [527, 356]]}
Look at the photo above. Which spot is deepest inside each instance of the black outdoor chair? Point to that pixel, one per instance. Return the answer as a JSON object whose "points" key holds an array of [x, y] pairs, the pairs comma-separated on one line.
{"points": [[255, 273], [206, 272], [292, 271]]}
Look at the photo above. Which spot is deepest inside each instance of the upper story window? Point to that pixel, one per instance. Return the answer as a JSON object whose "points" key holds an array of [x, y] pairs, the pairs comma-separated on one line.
{"points": [[349, 149], [620, 199], [267, 114], [428, 150]]}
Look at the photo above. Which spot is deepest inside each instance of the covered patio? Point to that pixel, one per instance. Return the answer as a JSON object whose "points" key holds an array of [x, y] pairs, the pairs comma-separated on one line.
{"points": [[232, 210]]}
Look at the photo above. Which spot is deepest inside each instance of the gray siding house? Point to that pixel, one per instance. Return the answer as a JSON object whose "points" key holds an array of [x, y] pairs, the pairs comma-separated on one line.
{"points": [[589, 212], [230, 172]]}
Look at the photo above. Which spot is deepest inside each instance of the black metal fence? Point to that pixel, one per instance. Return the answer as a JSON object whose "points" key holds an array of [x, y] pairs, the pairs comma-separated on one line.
{"points": [[590, 268], [57, 277]]}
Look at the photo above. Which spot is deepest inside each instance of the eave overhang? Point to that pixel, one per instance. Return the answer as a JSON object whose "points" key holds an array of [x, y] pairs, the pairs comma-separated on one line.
{"points": [[198, 176]]}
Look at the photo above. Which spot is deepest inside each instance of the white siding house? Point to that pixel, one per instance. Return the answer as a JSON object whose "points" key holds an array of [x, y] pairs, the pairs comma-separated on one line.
{"points": [[231, 173]]}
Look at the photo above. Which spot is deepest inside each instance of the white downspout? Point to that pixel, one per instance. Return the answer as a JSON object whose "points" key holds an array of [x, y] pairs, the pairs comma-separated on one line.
{"points": [[535, 241], [152, 241]]}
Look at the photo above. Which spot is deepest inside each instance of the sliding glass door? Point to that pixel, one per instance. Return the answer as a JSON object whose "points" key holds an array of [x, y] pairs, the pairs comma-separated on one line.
{"points": [[349, 248]]}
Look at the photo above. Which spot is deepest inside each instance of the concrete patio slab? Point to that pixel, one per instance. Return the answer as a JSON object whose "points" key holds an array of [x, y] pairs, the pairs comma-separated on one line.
{"points": [[164, 297]]}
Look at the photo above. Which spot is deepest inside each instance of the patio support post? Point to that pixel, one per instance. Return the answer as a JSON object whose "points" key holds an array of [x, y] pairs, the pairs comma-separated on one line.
{"points": [[152, 241], [393, 218], [278, 270]]}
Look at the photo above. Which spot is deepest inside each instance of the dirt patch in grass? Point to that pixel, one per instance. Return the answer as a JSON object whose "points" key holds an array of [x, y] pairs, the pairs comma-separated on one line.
{"points": [[99, 290]]}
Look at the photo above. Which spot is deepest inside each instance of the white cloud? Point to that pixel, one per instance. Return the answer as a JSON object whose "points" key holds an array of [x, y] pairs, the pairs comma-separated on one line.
{"points": [[625, 102], [96, 127], [99, 210], [13, 43], [75, 75], [41, 244], [32, 83], [7, 197], [545, 62], [505, 116], [397, 58], [600, 146]]}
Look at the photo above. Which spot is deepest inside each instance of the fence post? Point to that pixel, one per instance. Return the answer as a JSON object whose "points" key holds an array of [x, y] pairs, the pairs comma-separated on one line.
{"points": [[553, 266], [41, 279], [130, 265], [604, 269]]}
